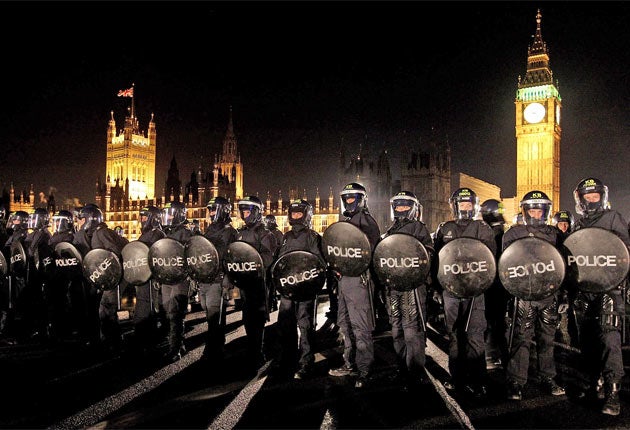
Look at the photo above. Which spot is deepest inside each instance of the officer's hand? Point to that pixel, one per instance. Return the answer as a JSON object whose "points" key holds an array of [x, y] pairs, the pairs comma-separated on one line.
{"points": [[437, 297], [563, 308]]}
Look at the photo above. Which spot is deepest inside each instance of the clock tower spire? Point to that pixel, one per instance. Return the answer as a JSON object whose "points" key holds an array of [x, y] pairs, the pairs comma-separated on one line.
{"points": [[538, 132]]}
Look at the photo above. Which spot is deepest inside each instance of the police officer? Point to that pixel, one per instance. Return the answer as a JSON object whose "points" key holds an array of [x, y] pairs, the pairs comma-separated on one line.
{"points": [[255, 297], [600, 315], [4, 288], [67, 307], [39, 290], [355, 315], [194, 227], [147, 307], [119, 231], [93, 233], [301, 237], [567, 327], [13, 325], [534, 318], [272, 225], [496, 297], [211, 294], [4, 231], [563, 221], [175, 295], [465, 317], [408, 308]]}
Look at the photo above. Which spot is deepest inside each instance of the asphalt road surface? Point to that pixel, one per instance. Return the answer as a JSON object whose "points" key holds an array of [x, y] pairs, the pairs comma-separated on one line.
{"points": [[63, 386]]}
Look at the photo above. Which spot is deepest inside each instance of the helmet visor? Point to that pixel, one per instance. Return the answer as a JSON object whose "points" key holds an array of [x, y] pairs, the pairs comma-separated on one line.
{"points": [[250, 212], [404, 208], [172, 216]]}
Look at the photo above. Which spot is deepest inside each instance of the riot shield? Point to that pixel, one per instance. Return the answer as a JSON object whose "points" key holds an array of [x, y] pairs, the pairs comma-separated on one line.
{"points": [[531, 268], [597, 259], [102, 269], [466, 267], [68, 261], [17, 262], [3, 265], [346, 248], [202, 259], [244, 265], [299, 275], [167, 261], [401, 262], [135, 257], [45, 262]]}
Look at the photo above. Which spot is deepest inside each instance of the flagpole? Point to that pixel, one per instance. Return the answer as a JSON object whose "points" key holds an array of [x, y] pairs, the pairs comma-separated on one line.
{"points": [[133, 115]]}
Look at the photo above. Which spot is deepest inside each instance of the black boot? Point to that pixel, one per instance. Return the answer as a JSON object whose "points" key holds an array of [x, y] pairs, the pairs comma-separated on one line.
{"points": [[611, 399], [594, 392]]}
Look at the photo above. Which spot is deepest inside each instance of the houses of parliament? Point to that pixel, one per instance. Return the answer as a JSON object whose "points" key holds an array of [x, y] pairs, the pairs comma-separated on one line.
{"points": [[425, 167]]}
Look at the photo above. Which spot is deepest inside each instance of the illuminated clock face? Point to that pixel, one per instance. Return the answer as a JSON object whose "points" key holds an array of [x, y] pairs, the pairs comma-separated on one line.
{"points": [[534, 113]]}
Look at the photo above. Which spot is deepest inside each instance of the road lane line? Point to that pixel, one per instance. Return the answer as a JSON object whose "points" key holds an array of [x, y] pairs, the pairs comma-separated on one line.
{"points": [[441, 358], [95, 413]]}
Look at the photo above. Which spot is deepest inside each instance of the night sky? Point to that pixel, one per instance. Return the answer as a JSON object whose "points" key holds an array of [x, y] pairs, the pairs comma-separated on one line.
{"points": [[303, 78]]}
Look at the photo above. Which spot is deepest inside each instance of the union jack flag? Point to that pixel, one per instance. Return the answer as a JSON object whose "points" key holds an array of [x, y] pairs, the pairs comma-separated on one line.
{"points": [[126, 93]]}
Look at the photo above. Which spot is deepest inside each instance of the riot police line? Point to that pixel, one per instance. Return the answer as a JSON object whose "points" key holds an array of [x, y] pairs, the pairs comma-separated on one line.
{"points": [[593, 260], [529, 269]]}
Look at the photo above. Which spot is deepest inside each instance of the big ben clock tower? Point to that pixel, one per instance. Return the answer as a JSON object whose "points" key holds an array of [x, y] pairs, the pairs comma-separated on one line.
{"points": [[538, 132]]}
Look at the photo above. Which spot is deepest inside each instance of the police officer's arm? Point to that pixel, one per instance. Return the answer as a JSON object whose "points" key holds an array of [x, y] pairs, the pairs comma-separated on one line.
{"points": [[37, 243], [425, 238], [267, 248], [316, 245], [438, 244], [486, 235], [508, 237], [82, 242], [368, 225], [108, 239], [619, 227], [372, 232]]}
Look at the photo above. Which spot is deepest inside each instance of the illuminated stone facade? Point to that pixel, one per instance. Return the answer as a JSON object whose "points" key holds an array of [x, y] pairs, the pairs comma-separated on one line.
{"points": [[426, 171], [224, 178]]}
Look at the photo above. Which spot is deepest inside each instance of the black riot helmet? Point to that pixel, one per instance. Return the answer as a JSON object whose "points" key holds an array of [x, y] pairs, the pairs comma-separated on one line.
{"points": [[405, 199], [270, 222], [255, 208], [563, 216], [535, 200], [63, 221], [38, 219], [194, 227], [92, 215], [462, 195], [587, 186], [353, 199], [222, 209], [303, 207], [492, 211], [18, 220], [153, 218], [174, 214]]}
